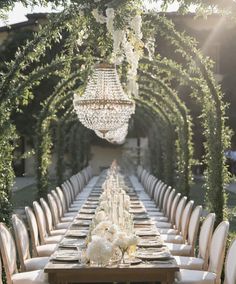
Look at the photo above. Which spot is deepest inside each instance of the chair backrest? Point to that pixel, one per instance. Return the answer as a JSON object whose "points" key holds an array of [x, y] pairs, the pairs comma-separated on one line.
{"points": [[90, 171], [62, 199], [145, 180], [41, 220], [174, 207], [22, 240], [230, 264], [156, 191], [161, 196], [58, 202], [66, 195], [70, 187], [217, 249], [169, 202], [54, 210], [84, 172], [179, 212], [33, 227], [80, 187], [139, 171], [81, 180], [0, 271], [144, 173], [205, 238], [68, 191], [48, 215], [185, 219], [193, 227], [165, 199], [75, 185], [149, 182], [152, 188], [8, 251]]}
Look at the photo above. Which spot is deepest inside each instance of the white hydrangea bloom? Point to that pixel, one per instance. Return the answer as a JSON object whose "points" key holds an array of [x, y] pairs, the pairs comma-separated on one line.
{"points": [[99, 250]]}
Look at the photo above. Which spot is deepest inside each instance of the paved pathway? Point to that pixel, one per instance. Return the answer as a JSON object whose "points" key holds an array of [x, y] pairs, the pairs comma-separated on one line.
{"points": [[22, 182]]}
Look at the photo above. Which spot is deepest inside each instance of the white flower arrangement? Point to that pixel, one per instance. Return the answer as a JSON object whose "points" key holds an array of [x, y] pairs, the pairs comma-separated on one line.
{"points": [[124, 241], [99, 250], [100, 216]]}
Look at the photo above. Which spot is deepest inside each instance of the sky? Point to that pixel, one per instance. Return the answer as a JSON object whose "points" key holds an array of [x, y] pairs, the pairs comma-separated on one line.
{"points": [[18, 13]]}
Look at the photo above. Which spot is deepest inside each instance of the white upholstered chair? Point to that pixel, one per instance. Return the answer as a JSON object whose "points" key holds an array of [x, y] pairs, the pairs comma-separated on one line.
{"points": [[8, 252], [37, 248], [155, 214], [230, 264], [55, 214], [23, 247], [45, 238], [53, 231], [181, 237], [186, 248], [171, 220], [177, 218], [216, 259], [69, 216]]}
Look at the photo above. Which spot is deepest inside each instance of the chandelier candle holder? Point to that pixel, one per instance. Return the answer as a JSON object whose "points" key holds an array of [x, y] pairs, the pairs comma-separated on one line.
{"points": [[104, 106]]}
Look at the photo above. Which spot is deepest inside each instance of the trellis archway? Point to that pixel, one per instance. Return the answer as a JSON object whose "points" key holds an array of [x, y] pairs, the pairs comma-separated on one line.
{"points": [[16, 89]]}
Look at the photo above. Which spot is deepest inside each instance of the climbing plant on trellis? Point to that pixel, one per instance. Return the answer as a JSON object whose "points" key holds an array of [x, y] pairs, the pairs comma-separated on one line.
{"points": [[88, 42]]}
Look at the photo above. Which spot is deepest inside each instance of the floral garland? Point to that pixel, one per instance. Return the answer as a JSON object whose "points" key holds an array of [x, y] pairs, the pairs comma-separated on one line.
{"points": [[127, 41]]}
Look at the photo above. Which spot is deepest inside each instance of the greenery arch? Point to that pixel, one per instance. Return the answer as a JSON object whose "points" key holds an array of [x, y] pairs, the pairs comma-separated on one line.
{"points": [[202, 81]]}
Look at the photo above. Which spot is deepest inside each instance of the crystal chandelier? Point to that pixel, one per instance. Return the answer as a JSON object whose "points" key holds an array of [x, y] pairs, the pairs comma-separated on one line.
{"points": [[104, 106], [115, 136]]}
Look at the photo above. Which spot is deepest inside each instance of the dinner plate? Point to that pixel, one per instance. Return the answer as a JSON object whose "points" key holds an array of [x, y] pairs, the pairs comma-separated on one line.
{"points": [[93, 199], [85, 216], [72, 243], [81, 222], [89, 207], [86, 211], [132, 261], [141, 217], [142, 233], [76, 233], [146, 255], [136, 206], [143, 222], [144, 244], [65, 258], [137, 211]]}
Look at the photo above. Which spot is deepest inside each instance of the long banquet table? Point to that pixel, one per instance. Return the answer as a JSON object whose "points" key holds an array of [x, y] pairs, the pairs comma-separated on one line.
{"points": [[64, 266]]}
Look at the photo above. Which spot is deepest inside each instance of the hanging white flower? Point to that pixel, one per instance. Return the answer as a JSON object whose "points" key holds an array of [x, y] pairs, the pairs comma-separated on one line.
{"points": [[136, 25], [98, 17], [110, 13], [150, 46]]}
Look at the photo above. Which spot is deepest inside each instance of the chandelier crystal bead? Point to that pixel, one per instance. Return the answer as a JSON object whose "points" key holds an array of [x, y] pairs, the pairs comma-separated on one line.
{"points": [[104, 106], [115, 136]]}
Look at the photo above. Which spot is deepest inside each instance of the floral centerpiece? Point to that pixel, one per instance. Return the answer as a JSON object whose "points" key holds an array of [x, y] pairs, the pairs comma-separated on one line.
{"points": [[112, 229]]}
